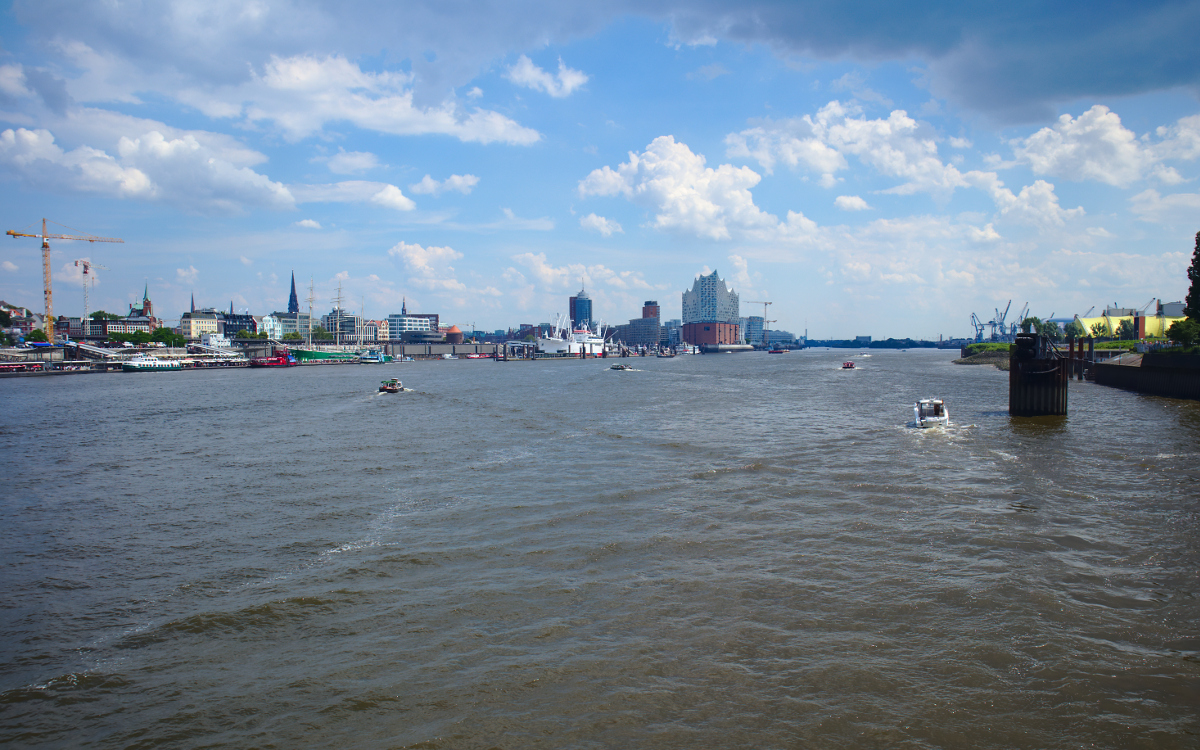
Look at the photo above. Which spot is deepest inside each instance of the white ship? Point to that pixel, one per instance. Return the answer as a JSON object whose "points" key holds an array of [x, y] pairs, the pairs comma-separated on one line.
{"points": [[568, 341]]}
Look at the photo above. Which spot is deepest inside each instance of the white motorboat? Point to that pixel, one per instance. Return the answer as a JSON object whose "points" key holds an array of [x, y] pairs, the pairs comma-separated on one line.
{"points": [[930, 412]]}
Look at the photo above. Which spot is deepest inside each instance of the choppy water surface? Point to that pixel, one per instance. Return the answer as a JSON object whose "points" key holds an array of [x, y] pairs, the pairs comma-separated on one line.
{"points": [[713, 551]]}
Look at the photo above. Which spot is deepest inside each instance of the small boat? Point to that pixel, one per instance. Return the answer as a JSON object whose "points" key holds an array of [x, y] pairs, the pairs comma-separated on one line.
{"points": [[478, 356], [146, 363], [449, 356], [392, 385], [665, 355], [777, 350], [847, 365], [931, 412], [620, 367]]}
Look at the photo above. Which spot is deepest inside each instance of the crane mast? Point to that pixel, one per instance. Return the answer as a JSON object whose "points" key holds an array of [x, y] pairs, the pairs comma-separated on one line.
{"points": [[46, 237]]}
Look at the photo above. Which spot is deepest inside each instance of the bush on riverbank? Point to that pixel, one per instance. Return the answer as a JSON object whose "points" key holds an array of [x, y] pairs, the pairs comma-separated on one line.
{"points": [[987, 357], [973, 349]]}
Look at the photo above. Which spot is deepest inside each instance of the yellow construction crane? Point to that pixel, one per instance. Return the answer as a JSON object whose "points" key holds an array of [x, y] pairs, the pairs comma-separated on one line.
{"points": [[46, 237], [765, 321]]}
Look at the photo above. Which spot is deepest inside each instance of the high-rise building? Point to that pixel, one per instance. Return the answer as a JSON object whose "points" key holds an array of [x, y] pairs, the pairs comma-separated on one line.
{"points": [[580, 309], [650, 309], [711, 312]]}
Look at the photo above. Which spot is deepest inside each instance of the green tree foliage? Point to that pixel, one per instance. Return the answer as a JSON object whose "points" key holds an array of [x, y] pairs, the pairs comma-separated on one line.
{"points": [[101, 315], [1185, 332], [1099, 329], [320, 334], [37, 334], [5, 318], [1074, 329], [169, 337], [1050, 330], [1126, 331], [1031, 325], [1191, 307], [293, 336]]}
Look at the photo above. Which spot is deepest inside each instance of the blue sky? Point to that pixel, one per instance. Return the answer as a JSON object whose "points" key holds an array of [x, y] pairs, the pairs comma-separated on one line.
{"points": [[869, 169]]}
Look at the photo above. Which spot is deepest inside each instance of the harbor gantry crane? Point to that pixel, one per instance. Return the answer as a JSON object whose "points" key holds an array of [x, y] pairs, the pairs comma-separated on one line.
{"points": [[46, 237], [765, 321], [88, 276]]}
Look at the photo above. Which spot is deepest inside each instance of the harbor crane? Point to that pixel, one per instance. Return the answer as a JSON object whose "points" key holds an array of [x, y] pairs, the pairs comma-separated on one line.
{"points": [[88, 277], [765, 321], [46, 237]]}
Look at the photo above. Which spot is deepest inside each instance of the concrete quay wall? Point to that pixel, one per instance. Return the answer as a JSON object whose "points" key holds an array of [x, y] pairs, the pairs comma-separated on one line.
{"points": [[1155, 380]]}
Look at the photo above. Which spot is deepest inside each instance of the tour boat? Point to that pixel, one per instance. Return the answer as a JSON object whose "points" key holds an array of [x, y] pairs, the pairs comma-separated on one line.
{"points": [[373, 357], [847, 365], [931, 412], [278, 358], [146, 363], [392, 385]]}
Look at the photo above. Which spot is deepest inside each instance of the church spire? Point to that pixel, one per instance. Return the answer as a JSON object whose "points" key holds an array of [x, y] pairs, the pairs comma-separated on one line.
{"points": [[231, 307], [193, 302], [404, 306], [293, 301]]}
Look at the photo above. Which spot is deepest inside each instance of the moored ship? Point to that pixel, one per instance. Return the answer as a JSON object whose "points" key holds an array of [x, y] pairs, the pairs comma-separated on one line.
{"points": [[571, 341], [147, 363], [278, 358]]}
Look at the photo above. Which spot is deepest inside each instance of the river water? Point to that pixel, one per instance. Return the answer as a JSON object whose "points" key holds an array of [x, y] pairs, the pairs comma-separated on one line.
{"points": [[735, 551]]}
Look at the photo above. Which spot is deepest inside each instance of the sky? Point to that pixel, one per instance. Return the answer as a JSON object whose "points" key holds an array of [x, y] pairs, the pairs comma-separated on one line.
{"points": [[869, 168]]}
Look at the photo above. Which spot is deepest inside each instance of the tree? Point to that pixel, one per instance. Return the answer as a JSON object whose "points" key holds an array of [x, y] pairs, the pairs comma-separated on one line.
{"points": [[101, 315], [169, 337], [319, 332], [1184, 332], [1099, 329], [1050, 330], [293, 336], [5, 318], [37, 334], [1126, 331], [1191, 307], [1074, 329], [1031, 325]]}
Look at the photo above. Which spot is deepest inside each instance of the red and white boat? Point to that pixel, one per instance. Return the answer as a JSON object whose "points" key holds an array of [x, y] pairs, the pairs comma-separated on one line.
{"points": [[278, 358], [847, 365]]}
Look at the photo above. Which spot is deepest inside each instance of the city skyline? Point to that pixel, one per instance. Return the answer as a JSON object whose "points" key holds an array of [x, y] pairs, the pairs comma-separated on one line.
{"points": [[842, 165]]}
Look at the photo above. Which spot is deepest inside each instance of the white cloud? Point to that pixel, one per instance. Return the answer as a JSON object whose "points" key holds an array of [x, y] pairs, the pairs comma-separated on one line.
{"points": [[308, 224], [1180, 208], [354, 191], [429, 266], [352, 162], [606, 227], [708, 72], [8, 265], [1096, 146], [181, 171], [568, 276], [960, 143], [187, 275], [301, 94], [463, 183], [687, 196], [512, 221], [246, 261], [525, 73], [850, 203], [856, 84], [1036, 204]]}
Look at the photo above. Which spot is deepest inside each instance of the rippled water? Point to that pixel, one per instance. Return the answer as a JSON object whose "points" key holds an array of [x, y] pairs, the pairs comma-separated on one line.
{"points": [[712, 551]]}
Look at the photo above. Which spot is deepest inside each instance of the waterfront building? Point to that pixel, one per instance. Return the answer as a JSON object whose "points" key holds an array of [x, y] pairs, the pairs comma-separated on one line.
{"points": [[270, 325], [346, 326], [711, 312], [292, 322], [579, 308], [754, 329], [650, 309], [195, 323], [217, 340], [236, 323], [672, 333], [781, 337]]}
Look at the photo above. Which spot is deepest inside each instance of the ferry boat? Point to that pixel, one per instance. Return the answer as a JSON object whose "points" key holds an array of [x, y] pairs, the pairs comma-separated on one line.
{"points": [[847, 365], [578, 341], [931, 412], [373, 357], [146, 363], [392, 385], [278, 358]]}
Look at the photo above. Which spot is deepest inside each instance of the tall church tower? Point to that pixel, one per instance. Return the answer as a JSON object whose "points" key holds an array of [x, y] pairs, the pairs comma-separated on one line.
{"points": [[293, 301]]}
